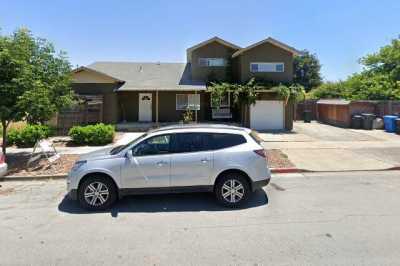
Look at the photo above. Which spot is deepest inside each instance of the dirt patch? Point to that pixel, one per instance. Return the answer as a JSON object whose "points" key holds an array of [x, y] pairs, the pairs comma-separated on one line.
{"points": [[65, 141], [6, 191], [278, 159], [17, 165]]}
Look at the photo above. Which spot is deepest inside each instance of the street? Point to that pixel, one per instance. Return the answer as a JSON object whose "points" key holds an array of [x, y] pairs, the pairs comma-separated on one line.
{"points": [[347, 218]]}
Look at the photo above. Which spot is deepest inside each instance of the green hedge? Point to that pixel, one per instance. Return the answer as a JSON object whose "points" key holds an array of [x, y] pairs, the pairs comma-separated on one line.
{"points": [[29, 135], [99, 134]]}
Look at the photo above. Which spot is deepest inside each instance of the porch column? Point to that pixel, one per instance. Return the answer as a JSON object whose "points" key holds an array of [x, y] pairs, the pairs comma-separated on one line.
{"points": [[195, 112], [157, 107]]}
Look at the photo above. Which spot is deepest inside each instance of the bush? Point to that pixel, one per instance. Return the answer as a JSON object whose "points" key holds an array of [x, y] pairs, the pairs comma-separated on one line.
{"points": [[98, 134], [29, 135], [329, 90]]}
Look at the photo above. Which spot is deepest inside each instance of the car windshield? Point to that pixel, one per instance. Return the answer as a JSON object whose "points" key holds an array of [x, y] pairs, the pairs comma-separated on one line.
{"points": [[119, 148]]}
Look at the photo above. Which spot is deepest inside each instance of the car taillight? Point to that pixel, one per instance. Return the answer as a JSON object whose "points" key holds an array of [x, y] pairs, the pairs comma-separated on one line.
{"points": [[2, 158], [261, 153]]}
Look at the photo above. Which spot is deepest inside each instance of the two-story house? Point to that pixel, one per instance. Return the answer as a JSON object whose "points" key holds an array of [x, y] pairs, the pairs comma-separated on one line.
{"points": [[161, 92]]}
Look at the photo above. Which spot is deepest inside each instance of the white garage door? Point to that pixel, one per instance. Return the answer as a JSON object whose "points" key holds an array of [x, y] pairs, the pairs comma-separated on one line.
{"points": [[267, 115]]}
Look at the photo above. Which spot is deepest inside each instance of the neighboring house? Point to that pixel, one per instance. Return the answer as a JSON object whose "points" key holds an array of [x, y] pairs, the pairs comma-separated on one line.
{"points": [[161, 92]]}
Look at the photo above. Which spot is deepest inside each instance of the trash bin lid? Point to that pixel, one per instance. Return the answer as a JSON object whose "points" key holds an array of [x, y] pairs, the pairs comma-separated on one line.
{"points": [[390, 117], [367, 114]]}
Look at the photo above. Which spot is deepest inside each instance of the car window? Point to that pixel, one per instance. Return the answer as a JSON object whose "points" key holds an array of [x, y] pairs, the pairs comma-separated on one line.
{"points": [[191, 142], [223, 140], [153, 146]]}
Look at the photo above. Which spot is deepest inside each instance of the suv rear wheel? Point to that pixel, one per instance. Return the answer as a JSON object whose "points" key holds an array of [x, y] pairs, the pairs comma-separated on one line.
{"points": [[97, 193], [232, 190]]}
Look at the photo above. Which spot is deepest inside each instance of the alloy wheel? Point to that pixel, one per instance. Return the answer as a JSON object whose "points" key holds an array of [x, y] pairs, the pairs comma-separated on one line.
{"points": [[96, 194], [232, 191]]}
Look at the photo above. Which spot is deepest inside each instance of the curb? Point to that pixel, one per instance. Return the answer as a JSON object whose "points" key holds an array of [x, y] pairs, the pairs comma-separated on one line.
{"points": [[297, 170], [286, 170], [273, 170], [30, 178]]}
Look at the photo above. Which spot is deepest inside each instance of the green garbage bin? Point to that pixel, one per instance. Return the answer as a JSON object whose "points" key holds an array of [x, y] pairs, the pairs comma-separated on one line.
{"points": [[357, 122], [307, 116], [398, 126], [368, 120]]}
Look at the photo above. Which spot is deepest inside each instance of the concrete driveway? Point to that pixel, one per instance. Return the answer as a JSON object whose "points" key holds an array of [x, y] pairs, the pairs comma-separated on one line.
{"points": [[301, 219], [319, 147]]}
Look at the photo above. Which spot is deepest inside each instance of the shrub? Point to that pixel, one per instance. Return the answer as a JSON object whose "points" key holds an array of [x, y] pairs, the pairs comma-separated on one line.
{"points": [[99, 134], [329, 90], [29, 135]]}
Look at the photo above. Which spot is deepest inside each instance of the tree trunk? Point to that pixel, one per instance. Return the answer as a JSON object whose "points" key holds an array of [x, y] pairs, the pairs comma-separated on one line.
{"points": [[4, 145]]}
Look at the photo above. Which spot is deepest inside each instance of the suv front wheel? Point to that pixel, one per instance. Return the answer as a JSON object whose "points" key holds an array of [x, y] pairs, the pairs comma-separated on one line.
{"points": [[232, 190], [97, 193]]}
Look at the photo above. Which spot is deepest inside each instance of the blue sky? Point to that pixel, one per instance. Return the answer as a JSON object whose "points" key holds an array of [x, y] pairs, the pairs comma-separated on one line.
{"points": [[339, 32]]}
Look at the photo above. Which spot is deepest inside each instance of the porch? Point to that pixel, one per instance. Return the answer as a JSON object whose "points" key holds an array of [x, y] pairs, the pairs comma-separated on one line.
{"points": [[145, 126]]}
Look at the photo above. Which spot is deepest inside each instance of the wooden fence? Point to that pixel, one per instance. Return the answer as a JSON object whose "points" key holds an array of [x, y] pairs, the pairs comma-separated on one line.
{"points": [[90, 111], [339, 112]]}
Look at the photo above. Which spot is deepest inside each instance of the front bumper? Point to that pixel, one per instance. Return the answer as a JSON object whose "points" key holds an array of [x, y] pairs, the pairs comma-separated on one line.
{"points": [[3, 169], [259, 184]]}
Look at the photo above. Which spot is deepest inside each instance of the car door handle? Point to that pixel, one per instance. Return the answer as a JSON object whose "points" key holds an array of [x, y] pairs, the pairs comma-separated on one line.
{"points": [[204, 160], [161, 163]]}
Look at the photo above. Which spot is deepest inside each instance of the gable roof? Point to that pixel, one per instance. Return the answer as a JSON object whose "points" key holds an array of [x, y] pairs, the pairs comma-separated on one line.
{"points": [[83, 68], [271, 41], [214, 39], [149, 76]]}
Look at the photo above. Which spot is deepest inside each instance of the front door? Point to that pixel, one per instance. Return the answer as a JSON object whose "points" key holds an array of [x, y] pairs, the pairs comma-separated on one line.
{"points": [[145, 107], [191, 160]]}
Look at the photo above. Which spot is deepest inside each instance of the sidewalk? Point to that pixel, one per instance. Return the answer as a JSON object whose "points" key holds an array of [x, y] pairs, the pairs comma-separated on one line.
{"points": [[319, 147], [127, 137]]}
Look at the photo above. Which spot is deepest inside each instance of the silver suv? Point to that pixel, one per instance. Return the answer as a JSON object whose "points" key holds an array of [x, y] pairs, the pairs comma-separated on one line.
{"points": [[226, 160]]}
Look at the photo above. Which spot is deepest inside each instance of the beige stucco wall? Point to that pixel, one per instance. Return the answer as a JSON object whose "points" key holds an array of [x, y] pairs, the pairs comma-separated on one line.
{"points": [[264, 53]]}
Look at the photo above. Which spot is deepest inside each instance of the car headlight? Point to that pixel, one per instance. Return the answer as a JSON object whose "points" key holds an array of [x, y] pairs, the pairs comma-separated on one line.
{"points": [[77, 165]]}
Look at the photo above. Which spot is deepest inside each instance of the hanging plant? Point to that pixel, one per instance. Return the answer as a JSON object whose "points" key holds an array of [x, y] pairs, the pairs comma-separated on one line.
{"points": [[293, 92]]}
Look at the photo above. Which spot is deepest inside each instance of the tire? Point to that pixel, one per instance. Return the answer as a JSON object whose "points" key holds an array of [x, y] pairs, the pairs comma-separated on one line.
{"points": [[100, 193], [241, 187]]}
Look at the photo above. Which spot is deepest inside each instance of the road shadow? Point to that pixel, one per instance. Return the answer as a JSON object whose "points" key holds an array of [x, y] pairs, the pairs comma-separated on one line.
{"points": [[166, 203]]}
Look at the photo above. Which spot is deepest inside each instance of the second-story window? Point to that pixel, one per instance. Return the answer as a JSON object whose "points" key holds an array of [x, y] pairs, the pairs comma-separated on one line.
{"points": [[212, 62], [267, 67]]}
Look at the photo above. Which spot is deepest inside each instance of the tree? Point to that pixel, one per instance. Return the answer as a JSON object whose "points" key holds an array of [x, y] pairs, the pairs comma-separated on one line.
{"points": [[379, 79], [34, 80], [307, 70], [386, 61]]}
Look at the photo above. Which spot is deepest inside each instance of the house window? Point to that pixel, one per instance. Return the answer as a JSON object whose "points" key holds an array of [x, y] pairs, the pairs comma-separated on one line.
{"points": [[267, 67], [212, 62], [225, 101], [188, 101]]}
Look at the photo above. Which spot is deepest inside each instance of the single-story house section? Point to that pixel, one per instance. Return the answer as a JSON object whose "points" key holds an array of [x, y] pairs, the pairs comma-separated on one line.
{"points": [[161, 92]]}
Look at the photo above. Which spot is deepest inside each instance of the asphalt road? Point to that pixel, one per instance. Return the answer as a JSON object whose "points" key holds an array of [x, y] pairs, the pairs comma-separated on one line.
{"points": [[311, 219]]}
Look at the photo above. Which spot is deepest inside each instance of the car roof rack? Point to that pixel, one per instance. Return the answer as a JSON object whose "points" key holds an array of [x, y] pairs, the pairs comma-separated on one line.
{"points": [[198, 126]]}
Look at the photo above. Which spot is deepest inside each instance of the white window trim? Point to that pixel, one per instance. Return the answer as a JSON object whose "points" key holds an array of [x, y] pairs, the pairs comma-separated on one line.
{"points": [[211, 58], [276, 63], [223, 105], [187, 101]]}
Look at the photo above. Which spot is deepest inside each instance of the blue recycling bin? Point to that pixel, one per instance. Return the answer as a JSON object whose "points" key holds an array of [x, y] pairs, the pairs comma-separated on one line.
{"points": [[390, 123]]}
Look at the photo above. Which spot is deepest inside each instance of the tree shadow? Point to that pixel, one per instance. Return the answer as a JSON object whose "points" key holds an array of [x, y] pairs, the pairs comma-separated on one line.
{"points": [[166, 203]]}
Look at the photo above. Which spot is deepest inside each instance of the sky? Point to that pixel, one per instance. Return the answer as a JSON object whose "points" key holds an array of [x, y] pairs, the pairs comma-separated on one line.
{"points": [[338, 32]]}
